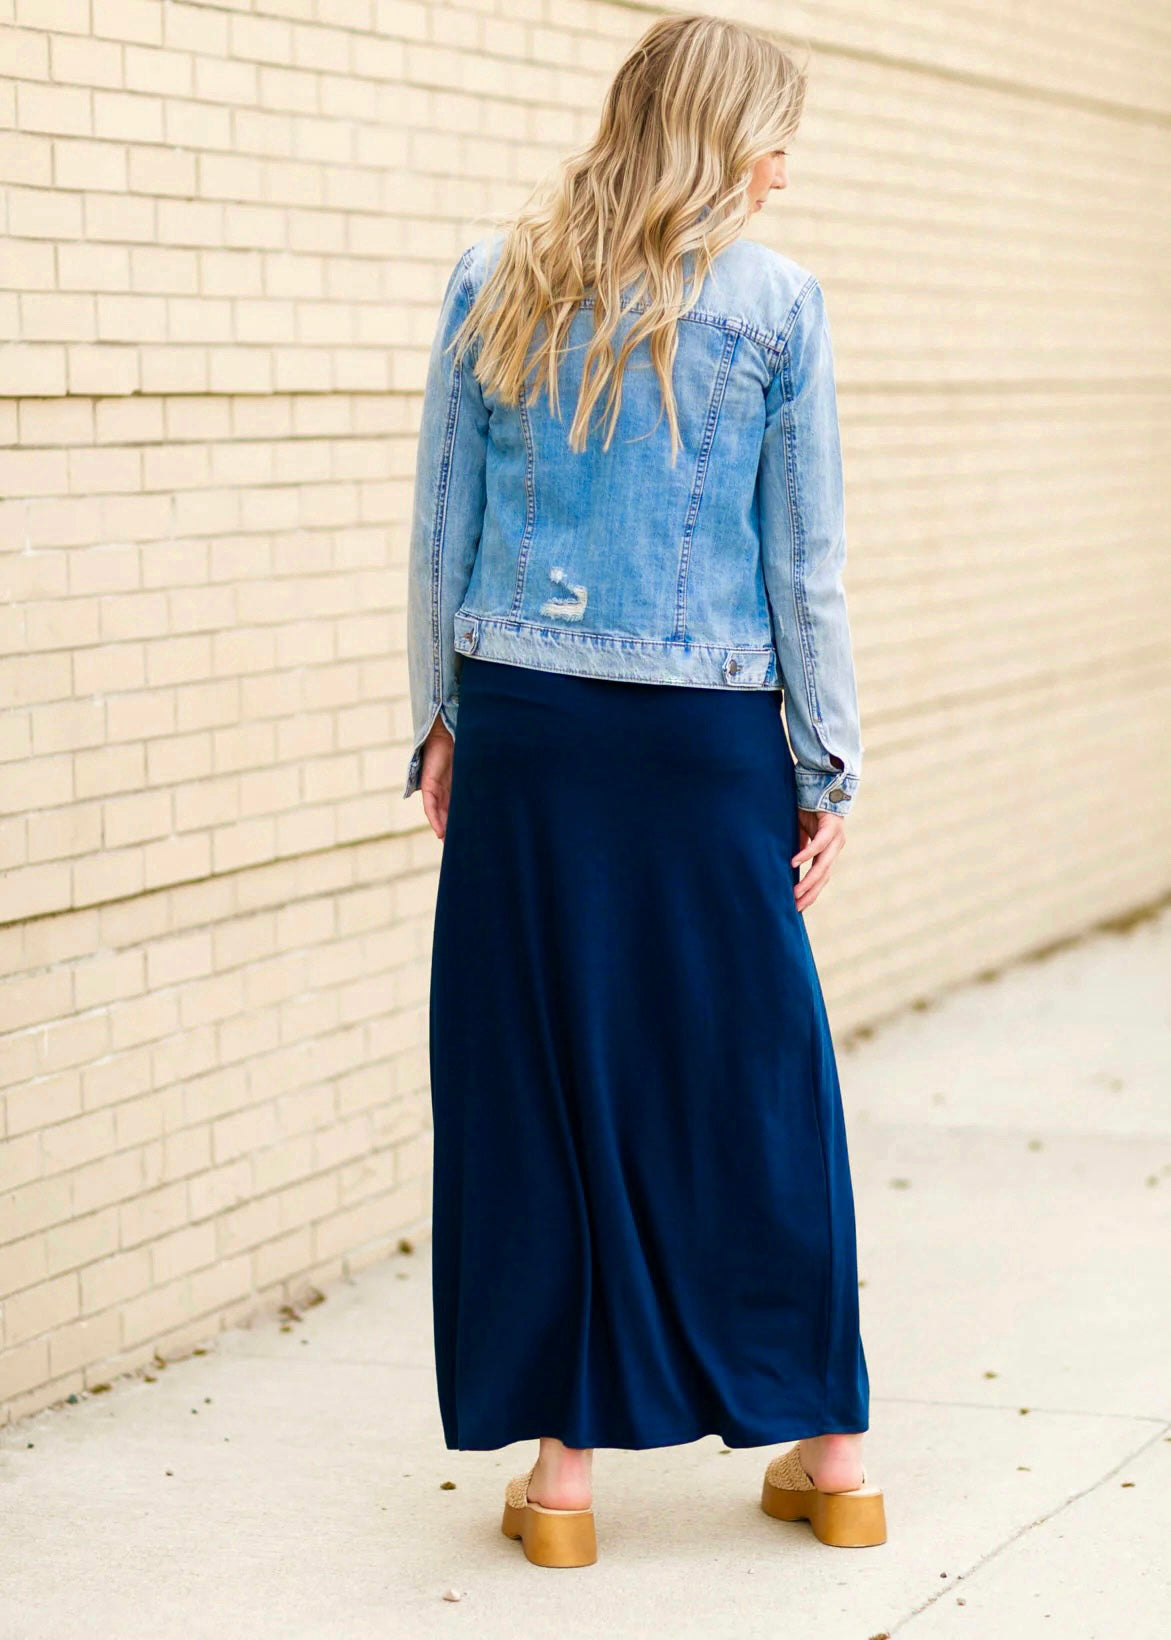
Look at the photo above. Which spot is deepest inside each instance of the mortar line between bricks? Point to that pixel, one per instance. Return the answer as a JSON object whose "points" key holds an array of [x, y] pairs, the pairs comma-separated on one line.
{"points": [[1030, 1526], [345, 845]]}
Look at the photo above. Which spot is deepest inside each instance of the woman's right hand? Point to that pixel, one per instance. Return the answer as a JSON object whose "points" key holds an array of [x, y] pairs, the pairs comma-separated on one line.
{"points": [[435, 776], [825, 835]]}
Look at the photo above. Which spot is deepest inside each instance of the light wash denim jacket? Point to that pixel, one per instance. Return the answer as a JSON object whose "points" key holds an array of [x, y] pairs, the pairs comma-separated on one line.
{"points": [[722, 571]]}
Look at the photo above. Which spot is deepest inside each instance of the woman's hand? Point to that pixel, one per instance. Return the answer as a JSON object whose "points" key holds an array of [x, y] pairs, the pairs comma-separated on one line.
{"points": [[435, 776], [826, 838]]}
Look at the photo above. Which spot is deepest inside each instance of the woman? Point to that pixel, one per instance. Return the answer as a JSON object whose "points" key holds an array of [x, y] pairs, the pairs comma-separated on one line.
{"points": [[643, 1219]]}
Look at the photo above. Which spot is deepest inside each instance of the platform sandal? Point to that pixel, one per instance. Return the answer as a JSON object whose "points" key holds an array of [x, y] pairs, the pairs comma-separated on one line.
{"points": [[549, 1537], [849, 1520]]}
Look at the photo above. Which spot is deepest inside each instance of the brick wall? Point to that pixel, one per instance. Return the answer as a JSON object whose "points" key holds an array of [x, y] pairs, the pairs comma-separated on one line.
{"points": [[226, 228]]}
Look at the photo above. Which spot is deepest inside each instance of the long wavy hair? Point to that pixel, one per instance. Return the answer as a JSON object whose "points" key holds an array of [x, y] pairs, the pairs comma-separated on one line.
{"points": [[693, 107]]}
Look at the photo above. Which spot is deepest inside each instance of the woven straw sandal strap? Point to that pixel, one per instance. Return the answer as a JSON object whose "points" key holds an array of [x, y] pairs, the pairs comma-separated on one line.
{"points": [[789, 1474], [516, 1493]]}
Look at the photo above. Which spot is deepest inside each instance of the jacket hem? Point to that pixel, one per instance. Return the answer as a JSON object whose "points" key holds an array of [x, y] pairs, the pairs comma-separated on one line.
{"points": [[631, 660]]}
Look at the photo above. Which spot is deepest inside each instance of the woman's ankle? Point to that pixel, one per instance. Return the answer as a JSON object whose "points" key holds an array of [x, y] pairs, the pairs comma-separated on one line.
{"points": [[833, 1462], [563, 1477]]}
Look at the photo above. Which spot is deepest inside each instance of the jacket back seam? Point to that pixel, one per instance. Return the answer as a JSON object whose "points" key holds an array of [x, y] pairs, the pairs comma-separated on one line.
{"points": [[767, 339], [797, 534], [701, 465], [526, 540]]}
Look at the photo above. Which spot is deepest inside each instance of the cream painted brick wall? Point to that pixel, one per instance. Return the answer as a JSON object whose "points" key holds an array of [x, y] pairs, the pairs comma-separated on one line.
{"points": [[213, 1095], [226, 229]]}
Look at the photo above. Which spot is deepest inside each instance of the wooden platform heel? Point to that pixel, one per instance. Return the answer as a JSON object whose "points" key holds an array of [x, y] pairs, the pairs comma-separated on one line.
{"points": [[549, 1537], [849, 1520]]}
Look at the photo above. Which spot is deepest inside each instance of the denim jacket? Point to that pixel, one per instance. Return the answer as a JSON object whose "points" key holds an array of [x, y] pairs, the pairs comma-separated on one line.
{"points": [[723, 570]]}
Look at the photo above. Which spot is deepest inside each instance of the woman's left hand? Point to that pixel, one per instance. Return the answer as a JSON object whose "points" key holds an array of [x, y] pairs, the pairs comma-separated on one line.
{"points": [[435, 776], [826, 838]]}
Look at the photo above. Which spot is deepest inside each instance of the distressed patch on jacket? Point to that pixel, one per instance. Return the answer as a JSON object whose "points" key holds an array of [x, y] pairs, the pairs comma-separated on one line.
{"points": [[571, 608]]}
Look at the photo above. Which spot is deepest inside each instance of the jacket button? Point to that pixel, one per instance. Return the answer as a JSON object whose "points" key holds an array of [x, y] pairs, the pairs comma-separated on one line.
{"points": [[837, 795], [733, 666], [467, 635]]}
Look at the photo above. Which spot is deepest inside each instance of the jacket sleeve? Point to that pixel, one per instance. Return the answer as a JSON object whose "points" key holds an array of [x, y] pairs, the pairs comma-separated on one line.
{"points": [[803, 548], [446, 520]]}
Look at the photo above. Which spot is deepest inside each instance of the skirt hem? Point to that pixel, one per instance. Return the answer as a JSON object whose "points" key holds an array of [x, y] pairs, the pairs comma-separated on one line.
{"points": [[785, 1431]]}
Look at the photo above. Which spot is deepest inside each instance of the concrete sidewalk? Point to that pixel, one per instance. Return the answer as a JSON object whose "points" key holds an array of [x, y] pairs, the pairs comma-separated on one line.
{"points": [[1011, 1149]]}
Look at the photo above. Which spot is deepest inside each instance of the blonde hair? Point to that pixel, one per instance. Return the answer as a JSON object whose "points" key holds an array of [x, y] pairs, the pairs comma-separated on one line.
{"points": [[692, 108]]}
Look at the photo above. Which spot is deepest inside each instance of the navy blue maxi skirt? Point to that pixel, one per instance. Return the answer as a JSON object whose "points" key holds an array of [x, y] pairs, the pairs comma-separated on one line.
{"points": [[643, 1224]]}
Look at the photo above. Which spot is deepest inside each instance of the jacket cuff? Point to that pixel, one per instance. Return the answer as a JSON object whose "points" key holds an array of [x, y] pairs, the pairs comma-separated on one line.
{"points": [[834, 794], [448, 711], [414, 769]]}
